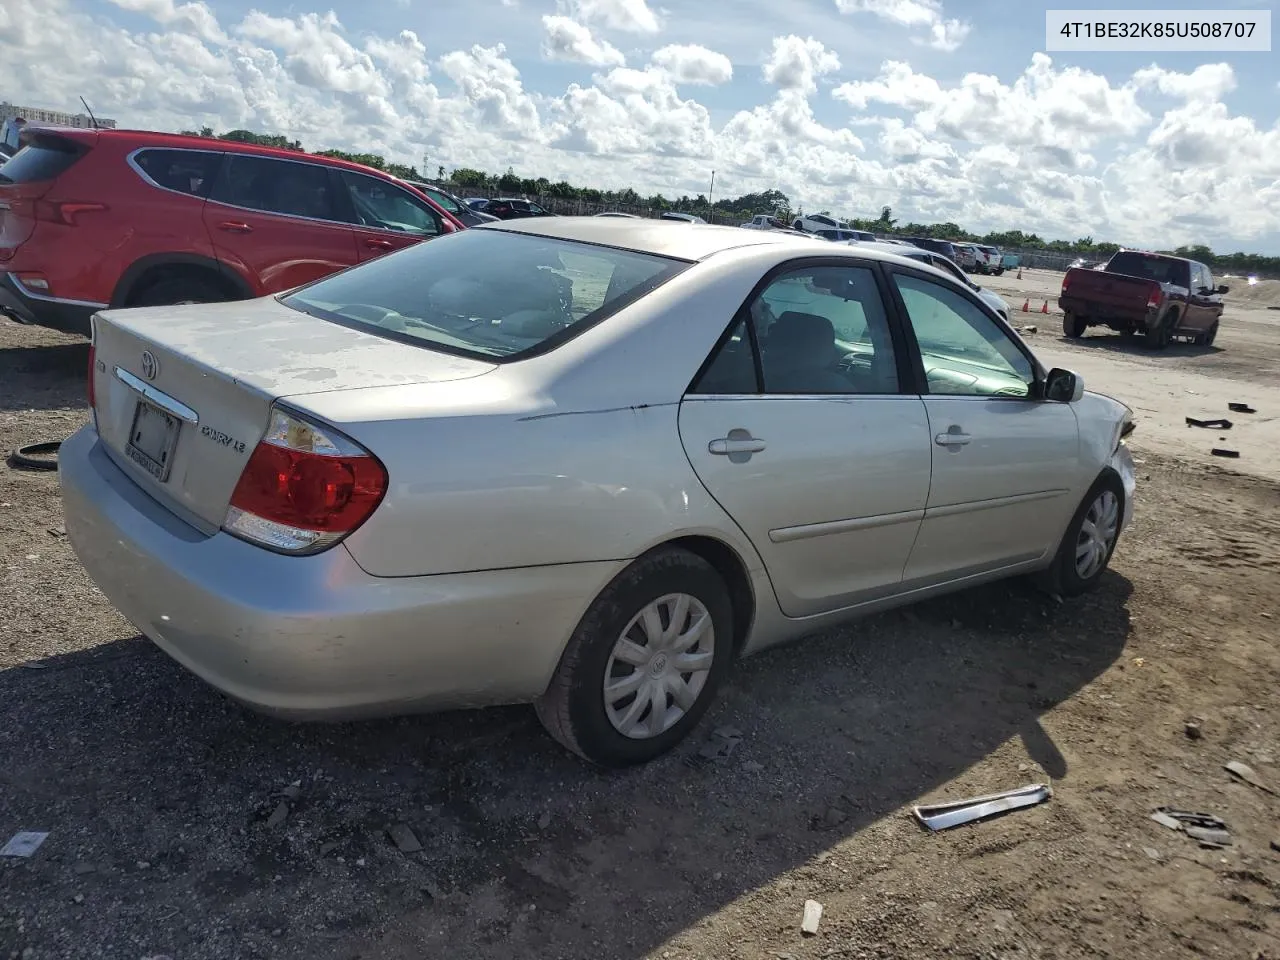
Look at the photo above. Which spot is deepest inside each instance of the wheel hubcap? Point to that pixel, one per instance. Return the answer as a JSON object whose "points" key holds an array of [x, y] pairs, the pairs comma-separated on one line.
{"points": [[659, 666], [1097, 534]]}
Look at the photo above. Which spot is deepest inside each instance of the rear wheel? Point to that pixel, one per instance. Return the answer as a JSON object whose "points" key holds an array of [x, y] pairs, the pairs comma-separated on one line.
{"points": [[644, 663], [179, 290], [1159, 338], [1089, 541], [1073, 325]]}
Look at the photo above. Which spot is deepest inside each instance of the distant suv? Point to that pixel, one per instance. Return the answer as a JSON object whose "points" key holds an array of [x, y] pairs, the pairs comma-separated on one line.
{"points": [[943, 247], [514, 208], [122, 218]]}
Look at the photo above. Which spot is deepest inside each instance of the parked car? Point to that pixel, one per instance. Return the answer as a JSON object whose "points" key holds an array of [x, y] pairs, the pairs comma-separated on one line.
{"points": [[763, 221], [619, 213], [992, 299], [686, 217], [491, 495], [817, 222], [476, 203], [943, 247], [992, 260], [1154, 294], [515, 208], [846, 236], [967, 256], [445, 200], [97, 218]]}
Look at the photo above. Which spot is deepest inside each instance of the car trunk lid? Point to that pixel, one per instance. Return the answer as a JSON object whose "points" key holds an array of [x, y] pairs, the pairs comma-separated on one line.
{"points": [[183, 394], [28, 175]]}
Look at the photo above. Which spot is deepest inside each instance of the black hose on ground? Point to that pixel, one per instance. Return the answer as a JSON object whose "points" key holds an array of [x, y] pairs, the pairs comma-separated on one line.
{"points": [[36, 456]]}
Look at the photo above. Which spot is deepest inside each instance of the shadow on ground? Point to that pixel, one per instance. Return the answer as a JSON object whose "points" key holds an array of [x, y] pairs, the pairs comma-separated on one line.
{"points": [[1137, 346], [43, 378], [159, 794]]}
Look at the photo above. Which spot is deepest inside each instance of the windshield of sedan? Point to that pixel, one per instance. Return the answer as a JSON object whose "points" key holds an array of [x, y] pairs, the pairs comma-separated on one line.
{"points": [[486, 293]]}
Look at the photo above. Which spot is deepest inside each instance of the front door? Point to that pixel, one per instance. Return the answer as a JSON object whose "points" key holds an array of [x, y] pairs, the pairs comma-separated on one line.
{"points": [[1006, 466], [386, 217], [1202, 301], [277, 220], [798, 427]]}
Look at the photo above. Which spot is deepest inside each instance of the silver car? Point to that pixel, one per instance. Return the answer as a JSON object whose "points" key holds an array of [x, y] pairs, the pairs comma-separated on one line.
{"points": [[583, 462]]}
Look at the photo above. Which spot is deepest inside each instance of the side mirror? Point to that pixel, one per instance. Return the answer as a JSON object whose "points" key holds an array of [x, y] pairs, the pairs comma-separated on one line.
{"points": [[1223, 288], [1063, 386]]}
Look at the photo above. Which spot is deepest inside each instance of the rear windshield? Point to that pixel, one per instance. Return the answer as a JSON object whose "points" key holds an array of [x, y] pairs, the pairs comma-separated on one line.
{"points": [[45, 159], [486, 293], [1159, 269]]}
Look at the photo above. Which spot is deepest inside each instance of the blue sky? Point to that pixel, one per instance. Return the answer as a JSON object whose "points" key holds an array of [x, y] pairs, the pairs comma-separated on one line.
{"points": [[941, 109]]}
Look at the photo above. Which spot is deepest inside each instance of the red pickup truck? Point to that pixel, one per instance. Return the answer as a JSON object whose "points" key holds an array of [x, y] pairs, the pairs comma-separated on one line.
{"points": [[1159, 296]]}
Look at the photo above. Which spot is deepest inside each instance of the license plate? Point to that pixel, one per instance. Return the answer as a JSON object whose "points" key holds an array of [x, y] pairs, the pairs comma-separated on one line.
{"points": [[152, 438]]}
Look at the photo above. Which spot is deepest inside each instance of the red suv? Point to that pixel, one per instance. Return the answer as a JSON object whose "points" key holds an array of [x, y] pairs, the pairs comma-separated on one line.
{"points": [[121, 218]]}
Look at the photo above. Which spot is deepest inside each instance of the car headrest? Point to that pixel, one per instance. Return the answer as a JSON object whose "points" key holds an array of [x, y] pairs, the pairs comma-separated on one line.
{"points": [[801, 331]]}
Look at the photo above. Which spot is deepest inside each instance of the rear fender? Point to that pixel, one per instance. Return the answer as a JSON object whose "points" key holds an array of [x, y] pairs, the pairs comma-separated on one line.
{"points": [[129, 280]]}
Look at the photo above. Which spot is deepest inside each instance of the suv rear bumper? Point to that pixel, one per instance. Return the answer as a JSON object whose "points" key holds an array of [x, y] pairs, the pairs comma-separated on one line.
{"points": [[27, 306]]}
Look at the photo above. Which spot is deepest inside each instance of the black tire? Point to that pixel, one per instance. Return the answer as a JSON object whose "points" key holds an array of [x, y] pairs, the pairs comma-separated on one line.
{"points": [[1206, 339], [1158, 339], [573, 708], [175, 290], [1063, 577], [1073, 326]]}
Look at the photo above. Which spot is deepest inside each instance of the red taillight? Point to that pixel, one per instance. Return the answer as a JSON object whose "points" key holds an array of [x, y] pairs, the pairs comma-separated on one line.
{"points": [[1066, 281], [304, 488], [65, 212], [1155, 298], [89, 386]]}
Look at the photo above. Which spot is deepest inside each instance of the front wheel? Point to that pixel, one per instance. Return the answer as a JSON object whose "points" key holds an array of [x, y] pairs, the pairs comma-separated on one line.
{"points": [[1206, 339], [1089, 541], [644, 663]]}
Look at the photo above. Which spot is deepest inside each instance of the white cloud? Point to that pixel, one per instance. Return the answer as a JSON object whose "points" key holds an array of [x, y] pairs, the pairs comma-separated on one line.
{"points": [[631, 16], [569, 40], [1151, 158], [941, 32], [796, 64], [694, 64]]}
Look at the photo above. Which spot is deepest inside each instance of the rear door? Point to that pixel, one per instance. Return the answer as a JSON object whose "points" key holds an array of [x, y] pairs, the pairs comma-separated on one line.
{"points": [[278, 220], [800, 428], [385, 217], [1005, 466]]}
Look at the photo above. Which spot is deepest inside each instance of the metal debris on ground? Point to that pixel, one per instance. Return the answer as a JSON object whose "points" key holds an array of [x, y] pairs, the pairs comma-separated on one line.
{"points": [[1240, 408], [404, 838], [23, 844], [278, 815], [812, 917], [1209, 424], [943, 816], [1193, 730], [1223, 452], [1248, 775], [1211, 831], [719, 746]]}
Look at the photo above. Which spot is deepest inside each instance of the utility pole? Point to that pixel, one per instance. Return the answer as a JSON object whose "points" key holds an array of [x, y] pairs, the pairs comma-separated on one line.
{"points": [[712, 192]]}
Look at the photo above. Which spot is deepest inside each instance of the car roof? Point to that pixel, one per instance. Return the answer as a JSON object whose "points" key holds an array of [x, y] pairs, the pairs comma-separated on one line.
{"points": [[690, 242]]}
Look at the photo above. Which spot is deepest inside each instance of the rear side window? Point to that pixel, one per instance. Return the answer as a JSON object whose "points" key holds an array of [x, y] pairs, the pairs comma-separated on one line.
{"points": [[184, 171], [45, 159], [276, 186], [486, 293]]}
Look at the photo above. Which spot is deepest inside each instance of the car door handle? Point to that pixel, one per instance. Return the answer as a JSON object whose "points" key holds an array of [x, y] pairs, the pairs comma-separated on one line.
{"points": [[727, 446], [379, 244], [952, 439], [235, 226]]}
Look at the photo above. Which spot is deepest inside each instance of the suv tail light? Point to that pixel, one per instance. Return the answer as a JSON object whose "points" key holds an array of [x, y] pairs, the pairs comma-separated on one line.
{"points": [[304, 488]]}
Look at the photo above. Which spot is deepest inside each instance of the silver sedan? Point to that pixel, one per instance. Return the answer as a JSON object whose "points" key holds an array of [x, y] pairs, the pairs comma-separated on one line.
{"points": [[580, 462]]}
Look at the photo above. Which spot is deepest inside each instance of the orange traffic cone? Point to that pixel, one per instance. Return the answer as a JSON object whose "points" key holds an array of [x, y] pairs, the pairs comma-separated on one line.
{"points": [[1045, 308], [1026, 305]]}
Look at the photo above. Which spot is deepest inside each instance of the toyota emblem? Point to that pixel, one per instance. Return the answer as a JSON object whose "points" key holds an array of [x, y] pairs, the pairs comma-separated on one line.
{"points": [[150, 365]]}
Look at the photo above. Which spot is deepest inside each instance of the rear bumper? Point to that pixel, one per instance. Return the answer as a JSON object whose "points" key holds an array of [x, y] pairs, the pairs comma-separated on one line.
{"points": [[316, 637], [1142, 319], [23, 304]]}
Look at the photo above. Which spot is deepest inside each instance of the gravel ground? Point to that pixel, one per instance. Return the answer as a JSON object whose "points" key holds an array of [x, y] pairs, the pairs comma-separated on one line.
{"points": [[182, 826]]}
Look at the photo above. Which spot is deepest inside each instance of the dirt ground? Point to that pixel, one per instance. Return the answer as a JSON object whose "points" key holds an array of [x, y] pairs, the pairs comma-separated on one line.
{"points": [[167, 837]]}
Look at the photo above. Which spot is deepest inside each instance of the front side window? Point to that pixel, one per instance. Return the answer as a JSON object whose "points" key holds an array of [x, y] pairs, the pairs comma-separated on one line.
{"points": [[965, 352], [384, 206], [275, 186], [820, 330], [442, 199], [486, 293], [183, 171]]}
